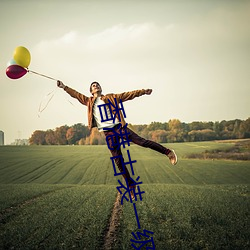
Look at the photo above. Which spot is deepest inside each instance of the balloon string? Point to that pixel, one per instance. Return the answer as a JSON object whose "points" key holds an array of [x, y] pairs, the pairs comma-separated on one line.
{"points": [[50, 96], [71, 103], [31, 71]]}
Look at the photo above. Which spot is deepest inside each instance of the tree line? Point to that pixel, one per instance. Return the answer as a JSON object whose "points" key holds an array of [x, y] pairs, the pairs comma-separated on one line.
{"points": [[172, 131]]}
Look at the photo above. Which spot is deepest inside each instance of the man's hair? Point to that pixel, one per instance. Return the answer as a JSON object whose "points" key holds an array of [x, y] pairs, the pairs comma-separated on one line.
{"points": [[90, 88]]}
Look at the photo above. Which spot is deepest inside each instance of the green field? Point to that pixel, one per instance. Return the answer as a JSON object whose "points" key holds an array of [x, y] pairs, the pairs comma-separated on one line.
{"points": [[62, 197]]}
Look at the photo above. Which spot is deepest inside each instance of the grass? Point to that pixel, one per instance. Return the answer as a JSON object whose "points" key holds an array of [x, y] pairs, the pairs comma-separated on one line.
{"points": [[191, 217], [61, 197], [240, 150], [64, 218], [55, 165]]}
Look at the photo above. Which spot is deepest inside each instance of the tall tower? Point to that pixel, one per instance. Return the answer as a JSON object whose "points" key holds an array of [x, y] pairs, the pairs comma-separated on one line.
{"points": [[1, 138]]}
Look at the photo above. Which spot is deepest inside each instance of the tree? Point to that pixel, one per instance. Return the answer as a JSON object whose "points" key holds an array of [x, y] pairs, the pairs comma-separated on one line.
{"points": [[175, 133], [96, 138], [60, 134], [236, 128], [156, 126], [185, 130], [159, 135], [76, 133], [202, 135], [70, 136], [245, 129], [50, 137], [82, 142], [217, 129], [38, 138], [196, 126]]}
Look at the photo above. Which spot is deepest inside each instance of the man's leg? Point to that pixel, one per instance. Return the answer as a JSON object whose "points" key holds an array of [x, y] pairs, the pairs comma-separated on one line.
{"points": [[135, 138], [116, 152]]}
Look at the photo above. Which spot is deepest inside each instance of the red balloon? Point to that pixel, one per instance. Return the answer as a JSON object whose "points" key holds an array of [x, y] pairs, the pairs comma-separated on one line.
{"points": [[15, 71]]}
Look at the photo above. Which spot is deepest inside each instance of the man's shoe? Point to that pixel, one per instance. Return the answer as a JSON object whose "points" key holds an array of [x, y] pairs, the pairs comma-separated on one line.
{"points": [[172, 157]]}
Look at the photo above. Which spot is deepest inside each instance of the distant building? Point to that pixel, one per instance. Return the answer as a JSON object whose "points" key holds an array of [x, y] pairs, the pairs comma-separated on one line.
{"points": [[1, 138]]}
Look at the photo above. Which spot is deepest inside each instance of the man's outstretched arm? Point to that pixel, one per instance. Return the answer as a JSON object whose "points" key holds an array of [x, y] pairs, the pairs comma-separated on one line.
{"points": [[80, 97], [132, 94]]}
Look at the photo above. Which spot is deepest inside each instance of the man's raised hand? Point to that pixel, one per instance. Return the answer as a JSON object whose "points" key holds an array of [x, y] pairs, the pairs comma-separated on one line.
{"points": [[60, 84], [148, 91]]}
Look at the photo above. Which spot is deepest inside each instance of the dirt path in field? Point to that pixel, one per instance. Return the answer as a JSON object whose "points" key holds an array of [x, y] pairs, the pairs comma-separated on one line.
{"points": [[112, 230]]}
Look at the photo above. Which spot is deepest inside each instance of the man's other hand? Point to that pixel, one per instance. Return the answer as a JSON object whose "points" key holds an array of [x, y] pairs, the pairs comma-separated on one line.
{"points": [[148, 91]]}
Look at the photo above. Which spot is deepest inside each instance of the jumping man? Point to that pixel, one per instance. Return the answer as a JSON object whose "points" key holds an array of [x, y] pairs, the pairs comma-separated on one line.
{"points": [[94, 120]]}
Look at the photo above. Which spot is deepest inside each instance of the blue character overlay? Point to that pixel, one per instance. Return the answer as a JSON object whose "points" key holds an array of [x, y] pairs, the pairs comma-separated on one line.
{"points": [[114, 114], [136, 215], [123, 163], [139, 240], [113, 141], [128, 188]]}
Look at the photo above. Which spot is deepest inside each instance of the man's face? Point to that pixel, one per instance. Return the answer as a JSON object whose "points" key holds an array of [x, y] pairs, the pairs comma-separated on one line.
{"points": [[95, 88]]}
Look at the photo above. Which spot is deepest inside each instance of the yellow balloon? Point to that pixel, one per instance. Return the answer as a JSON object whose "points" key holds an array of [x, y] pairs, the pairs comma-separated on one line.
{"points": [[22, 56]]}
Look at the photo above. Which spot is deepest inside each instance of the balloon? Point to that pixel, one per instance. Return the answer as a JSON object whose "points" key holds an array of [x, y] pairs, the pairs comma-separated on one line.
{"points": [[11, 62], [15, 71], [22, 56]]}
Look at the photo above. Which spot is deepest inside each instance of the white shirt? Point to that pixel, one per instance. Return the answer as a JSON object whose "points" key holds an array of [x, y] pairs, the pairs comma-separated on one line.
{"points": [[97, 115]]}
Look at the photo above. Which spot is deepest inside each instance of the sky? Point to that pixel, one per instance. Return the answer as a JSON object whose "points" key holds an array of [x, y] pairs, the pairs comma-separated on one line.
{"points": [[195, 55]]}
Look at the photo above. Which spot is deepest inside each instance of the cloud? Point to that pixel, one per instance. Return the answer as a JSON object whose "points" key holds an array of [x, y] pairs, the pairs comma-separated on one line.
{"points": [[201, 42], [118, 39], [114, 47], [119, 35], [68, 38], [107, 38]]}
